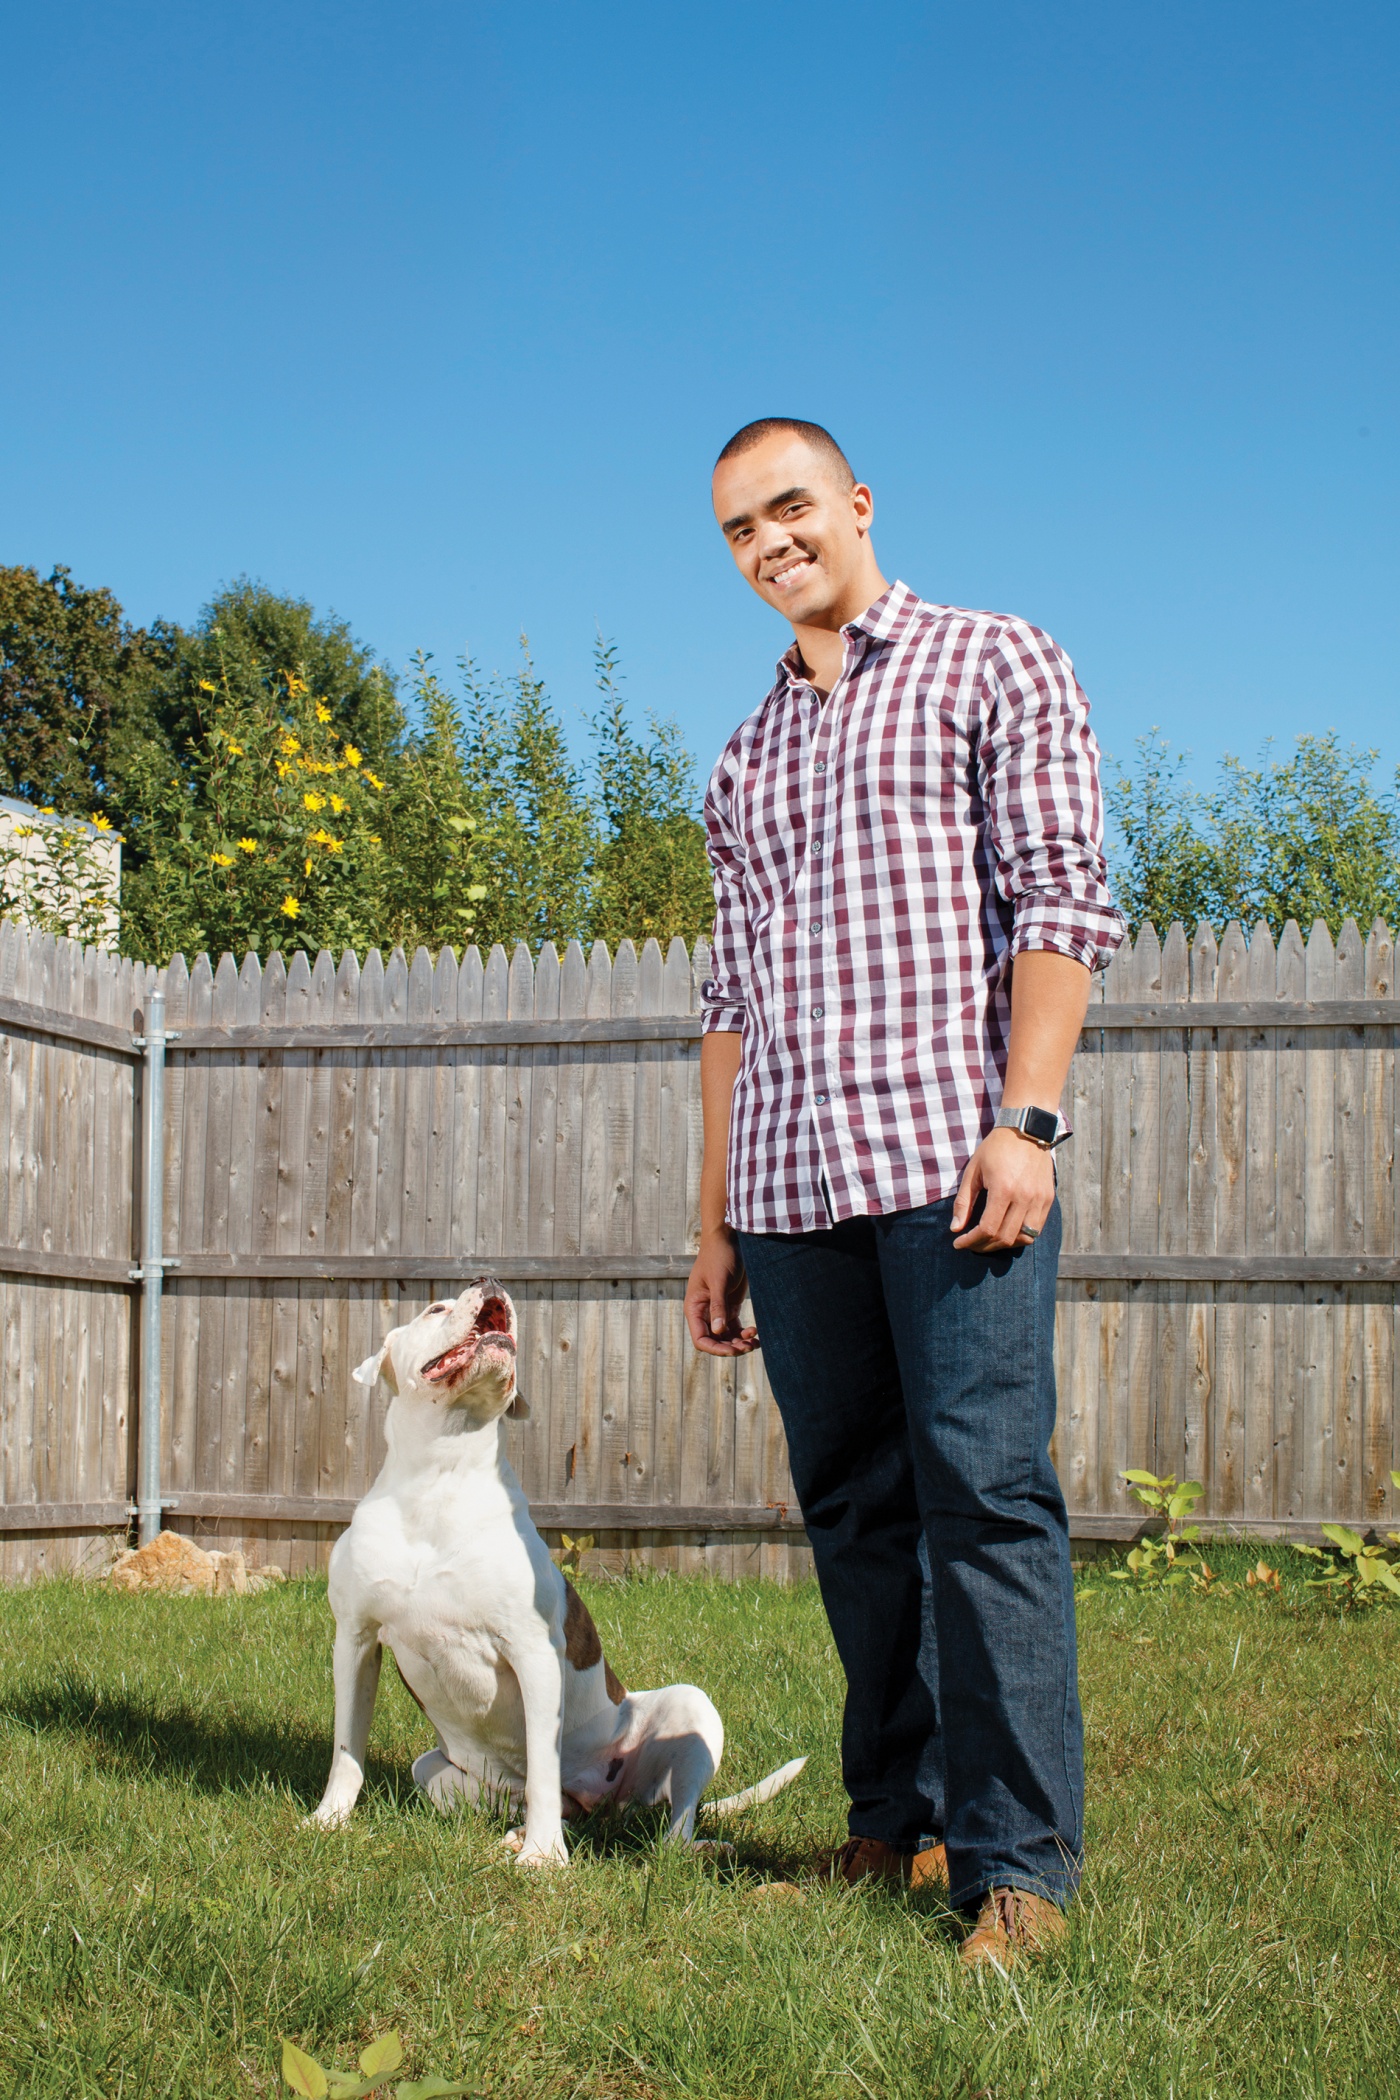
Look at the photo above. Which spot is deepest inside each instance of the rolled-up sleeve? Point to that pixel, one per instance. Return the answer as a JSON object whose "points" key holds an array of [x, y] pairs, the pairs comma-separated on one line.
{"points": [[1039, 769], [725, 992]]}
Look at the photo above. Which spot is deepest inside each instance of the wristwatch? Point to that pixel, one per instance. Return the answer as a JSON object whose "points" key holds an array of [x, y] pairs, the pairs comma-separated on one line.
{"points": [[1041, 1125]]}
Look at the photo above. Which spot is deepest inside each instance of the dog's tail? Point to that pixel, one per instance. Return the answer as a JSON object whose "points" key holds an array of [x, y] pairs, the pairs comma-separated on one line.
{"points": [[763, 1790]]}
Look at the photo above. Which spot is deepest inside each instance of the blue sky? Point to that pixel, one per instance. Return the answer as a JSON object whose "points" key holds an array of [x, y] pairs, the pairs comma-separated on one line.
{"points": [[437, 315]]}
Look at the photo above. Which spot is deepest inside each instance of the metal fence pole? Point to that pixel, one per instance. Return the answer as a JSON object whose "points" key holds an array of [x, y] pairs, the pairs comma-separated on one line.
{"points": [[152, 1270]]}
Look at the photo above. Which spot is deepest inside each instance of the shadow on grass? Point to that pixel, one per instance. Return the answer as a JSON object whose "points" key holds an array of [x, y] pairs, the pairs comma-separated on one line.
{"points": [[218, 1753], [744, 1864]]}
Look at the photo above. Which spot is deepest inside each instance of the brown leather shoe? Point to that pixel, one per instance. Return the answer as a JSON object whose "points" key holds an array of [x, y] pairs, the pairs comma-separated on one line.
{"points": [[929, 1870], [871, 1859], [1011, 1925]]}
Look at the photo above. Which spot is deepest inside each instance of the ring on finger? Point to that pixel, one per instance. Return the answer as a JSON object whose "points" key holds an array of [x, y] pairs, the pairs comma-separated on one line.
{"points": [[1030, 1232]]}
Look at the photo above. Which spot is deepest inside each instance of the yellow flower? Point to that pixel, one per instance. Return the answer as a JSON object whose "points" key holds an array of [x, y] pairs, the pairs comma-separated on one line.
{"points": [[206, 687], [235, 749], [375, 839], [289, 744], [99, 822], [295, 685], [247, 845], [222, 860], [373, 778], [323, 713], [338, 805], [48, 810], [352, 756], [25, 831], [283, 768], [308, 863], [313, 802], [290, 908]]}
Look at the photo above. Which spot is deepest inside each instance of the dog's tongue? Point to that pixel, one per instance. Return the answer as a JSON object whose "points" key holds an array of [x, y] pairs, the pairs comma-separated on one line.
{"points": [[451, 1361], [462, 1353]]}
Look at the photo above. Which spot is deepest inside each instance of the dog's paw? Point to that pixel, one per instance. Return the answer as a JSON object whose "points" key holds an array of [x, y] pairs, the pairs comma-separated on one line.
{"points": [[324, 1818], [514, 1840], [543, 1858]]}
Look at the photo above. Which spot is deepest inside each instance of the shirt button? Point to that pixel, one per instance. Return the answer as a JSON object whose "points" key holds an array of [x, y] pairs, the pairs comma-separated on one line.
{"points": [[820, 1100], [816, 926], [817, 1012], [816, 845], [820, 766]]}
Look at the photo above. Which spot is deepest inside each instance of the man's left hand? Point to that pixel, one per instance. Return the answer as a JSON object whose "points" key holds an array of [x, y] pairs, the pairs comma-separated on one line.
{"points": [[1018, 1181]]}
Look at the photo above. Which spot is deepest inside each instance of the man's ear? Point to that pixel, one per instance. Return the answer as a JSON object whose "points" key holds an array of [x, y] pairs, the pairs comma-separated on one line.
{"points": [[519, 1409], [373, 1367]]}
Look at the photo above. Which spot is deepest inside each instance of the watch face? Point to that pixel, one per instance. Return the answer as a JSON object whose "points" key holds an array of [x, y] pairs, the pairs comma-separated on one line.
{"points": [[1042, 1125]]}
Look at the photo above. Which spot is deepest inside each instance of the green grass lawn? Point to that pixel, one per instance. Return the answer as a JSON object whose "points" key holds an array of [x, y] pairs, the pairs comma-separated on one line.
{"points": [[167, 1918]]}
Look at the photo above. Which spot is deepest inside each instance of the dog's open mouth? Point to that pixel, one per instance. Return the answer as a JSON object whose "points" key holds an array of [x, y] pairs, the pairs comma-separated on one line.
{"points": [[491, 1326]]}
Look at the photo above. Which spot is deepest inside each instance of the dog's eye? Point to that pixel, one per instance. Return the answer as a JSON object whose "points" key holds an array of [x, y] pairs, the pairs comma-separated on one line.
{"points": [[437, 1309]]}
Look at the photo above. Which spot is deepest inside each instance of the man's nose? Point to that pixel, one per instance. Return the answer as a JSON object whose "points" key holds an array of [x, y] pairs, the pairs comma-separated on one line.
{"points": [[773, 539]]}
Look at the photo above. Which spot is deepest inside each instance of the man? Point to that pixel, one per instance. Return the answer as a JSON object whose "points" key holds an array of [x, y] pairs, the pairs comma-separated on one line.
{"points": [[909, 876]]}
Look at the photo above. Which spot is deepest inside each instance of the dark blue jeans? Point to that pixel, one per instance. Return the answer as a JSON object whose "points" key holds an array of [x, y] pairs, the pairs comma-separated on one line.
{"points": [[917, 1388]]}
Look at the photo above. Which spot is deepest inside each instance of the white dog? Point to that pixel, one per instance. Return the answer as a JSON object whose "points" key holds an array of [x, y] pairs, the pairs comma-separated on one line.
{"points": [[442, 1565]]}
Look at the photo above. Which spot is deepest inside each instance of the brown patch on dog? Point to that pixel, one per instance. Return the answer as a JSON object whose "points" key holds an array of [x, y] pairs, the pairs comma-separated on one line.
{"points": [[582, 1646]]}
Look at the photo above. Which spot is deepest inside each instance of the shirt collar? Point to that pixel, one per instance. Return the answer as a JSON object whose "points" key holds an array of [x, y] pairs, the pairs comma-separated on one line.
{"points": [[887, 620]]}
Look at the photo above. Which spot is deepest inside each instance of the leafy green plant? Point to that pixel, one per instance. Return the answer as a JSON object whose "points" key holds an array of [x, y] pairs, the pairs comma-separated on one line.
{"points": [[378, 2064], [269, 827], [1357, 1571], [651, 875], [1159, 1562], [74, 703], [1309, 837]]}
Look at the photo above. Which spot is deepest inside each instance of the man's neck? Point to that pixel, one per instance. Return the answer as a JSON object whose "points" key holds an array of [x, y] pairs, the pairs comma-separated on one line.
{"points": [[823, 649]]}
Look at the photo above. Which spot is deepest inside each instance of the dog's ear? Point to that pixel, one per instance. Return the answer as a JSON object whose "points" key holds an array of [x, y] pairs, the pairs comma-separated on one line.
{"points": [[373, 1366], [519, 1409]]}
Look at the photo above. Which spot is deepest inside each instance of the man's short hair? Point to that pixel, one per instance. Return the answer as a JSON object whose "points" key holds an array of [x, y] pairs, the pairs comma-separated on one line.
{"points": [[821, 440]]}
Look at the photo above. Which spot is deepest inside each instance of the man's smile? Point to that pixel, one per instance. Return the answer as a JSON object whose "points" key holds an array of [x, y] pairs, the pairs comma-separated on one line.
{"points": [[791, 572]]}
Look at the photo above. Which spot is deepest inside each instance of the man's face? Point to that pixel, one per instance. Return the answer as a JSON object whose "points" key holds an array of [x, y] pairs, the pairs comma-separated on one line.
{"points": [[796, 532]]}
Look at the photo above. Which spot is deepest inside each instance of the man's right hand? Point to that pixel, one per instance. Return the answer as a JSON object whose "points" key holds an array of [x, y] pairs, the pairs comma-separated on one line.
{"points": [[714, 1296]]}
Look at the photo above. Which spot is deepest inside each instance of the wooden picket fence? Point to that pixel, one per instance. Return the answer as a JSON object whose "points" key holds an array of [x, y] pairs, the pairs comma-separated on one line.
{"points": [[343, 1144]]}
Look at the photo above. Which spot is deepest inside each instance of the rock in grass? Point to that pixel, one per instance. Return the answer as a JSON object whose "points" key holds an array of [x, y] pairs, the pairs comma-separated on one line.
{"points": [[169, 1562], [175, 1564]]}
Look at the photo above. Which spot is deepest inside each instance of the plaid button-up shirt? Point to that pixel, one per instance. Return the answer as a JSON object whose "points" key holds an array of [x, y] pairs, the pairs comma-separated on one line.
{"points": [[879, 859]]}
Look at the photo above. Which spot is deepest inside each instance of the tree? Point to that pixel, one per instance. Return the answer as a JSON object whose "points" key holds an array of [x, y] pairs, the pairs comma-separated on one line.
{"points": [[651, 876], [1307, 839], [245, 824], [73, 678], [1164, 868], [271, 790], [263, 831], [536, 834]]}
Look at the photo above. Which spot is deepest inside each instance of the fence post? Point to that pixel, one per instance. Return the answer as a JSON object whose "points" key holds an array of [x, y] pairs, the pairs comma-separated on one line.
{"points": [[152, 1270]]}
